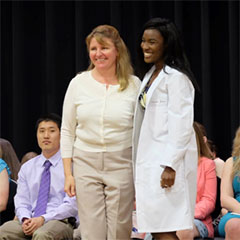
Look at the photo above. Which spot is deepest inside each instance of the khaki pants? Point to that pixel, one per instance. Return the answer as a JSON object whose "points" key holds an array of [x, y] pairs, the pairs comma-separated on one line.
{"points": [[52, 230], [105, 194]]}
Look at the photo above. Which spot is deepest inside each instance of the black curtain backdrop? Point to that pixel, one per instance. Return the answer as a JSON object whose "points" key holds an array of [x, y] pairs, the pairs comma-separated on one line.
{"points": [[43, 47]]}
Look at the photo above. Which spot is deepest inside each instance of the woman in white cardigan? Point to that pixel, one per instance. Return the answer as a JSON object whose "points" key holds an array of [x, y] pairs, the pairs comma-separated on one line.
{"points": [[96, 138], [165, 149]]}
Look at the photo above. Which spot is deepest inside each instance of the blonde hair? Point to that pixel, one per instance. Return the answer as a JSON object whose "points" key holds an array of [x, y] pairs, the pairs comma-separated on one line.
{"points": [[123, 64], [236, 154], [203, 148]]}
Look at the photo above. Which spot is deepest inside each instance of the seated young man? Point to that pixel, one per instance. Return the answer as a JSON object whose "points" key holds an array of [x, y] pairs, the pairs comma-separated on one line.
{"points": [[42, 208]]}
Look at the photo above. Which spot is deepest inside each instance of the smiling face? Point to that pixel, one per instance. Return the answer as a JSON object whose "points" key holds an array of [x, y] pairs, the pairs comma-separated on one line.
{"points": [[153, 46], [103, 56], [48, 136]]}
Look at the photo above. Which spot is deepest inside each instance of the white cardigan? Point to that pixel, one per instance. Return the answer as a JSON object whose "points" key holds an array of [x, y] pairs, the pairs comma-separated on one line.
{"points": [[97, 118]]}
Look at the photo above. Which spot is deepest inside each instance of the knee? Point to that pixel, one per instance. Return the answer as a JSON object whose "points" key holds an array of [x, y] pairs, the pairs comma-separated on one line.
{"points": [[4, 233], [185, 234], [39, 235], [232, 228]]}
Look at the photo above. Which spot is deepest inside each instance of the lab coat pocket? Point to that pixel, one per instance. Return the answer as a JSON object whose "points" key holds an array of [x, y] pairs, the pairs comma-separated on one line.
{"points": [[178, 184], [158, 97], [157, 116]]}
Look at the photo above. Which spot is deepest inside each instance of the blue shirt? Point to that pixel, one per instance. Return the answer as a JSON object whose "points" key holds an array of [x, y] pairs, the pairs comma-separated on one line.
{"points": [[59, 206], [3, 165]]}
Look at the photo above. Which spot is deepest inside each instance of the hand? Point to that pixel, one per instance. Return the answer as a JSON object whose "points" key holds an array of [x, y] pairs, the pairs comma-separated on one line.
{"points": [[69, 186], [30, 225], [167, 177]]}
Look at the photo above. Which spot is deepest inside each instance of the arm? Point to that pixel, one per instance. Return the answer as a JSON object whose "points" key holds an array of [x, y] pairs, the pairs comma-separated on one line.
{"points": [[205, 206], [68, 130], [67, 209], [69, 185], [227, 195], [4, 189], [22, 200]]}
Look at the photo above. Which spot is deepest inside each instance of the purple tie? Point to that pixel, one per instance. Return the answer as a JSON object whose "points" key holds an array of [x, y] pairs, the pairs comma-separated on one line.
{"points": [[43, 191]]}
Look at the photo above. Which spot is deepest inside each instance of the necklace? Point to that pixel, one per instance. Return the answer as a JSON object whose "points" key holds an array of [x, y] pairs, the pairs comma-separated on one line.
{"points": [[153, 77]]}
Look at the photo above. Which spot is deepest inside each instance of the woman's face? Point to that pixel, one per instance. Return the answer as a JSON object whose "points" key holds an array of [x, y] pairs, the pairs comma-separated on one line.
{"points": [[103, 56], [152, 46]]}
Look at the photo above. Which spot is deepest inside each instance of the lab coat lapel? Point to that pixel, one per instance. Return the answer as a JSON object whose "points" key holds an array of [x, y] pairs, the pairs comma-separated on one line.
{"points": [[154, 85], [146, 78]]}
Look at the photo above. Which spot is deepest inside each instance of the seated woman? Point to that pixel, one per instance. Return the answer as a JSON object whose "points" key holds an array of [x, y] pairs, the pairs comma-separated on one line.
{"points": [[206, 191], [9, 167], [4, 184], [8, 154], [229, 224]]}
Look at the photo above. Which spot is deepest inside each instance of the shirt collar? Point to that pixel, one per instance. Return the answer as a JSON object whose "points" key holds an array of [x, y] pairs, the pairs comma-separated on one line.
{"points": [[53, 160]]}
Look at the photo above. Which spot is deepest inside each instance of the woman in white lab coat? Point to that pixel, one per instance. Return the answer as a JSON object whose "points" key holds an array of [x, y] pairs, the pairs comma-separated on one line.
{"points": [[165, 149]]}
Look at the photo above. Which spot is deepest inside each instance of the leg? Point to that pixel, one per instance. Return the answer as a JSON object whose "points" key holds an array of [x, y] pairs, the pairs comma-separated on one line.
{"points": [[54, 230], [187, 234], [165, 236], [77, 234], [195, 231], [119, 193], [199, 230], [232, 229], [87, 169], [12, 230]]}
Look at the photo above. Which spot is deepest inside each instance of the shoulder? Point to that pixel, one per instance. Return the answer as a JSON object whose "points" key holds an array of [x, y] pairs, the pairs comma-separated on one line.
{"points": [[175, 74], [135, 81], [172, 71], [2, 164], [30, 164], [82, 76], [229, 163], [227, 170], [176, 78], [219, 161], [208, 163]]}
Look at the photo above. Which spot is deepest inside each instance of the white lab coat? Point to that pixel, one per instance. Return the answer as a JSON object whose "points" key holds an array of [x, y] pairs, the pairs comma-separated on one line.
{"points": [[164, 136]]}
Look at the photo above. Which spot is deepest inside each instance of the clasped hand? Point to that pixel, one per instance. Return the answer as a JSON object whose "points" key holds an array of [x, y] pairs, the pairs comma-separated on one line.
{"points": [[167, 177], [30, 225]]}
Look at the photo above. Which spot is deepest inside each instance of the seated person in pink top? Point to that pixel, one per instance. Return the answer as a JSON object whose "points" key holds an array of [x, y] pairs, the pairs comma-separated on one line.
{"points": [[206, 192]]}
